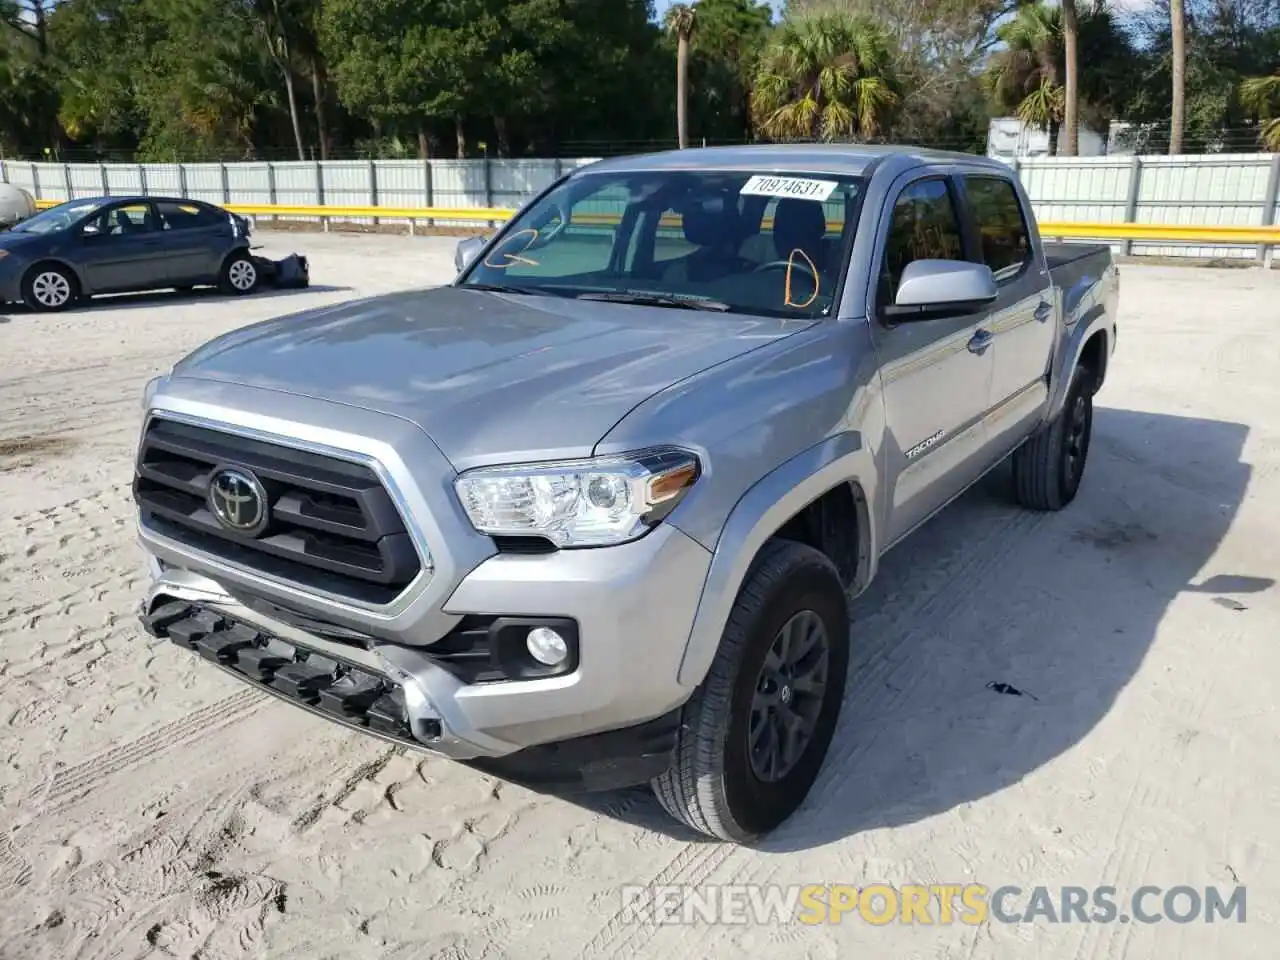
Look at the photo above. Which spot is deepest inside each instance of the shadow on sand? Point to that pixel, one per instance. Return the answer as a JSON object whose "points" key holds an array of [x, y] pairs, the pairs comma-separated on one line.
{"points": [[1060, 606]]}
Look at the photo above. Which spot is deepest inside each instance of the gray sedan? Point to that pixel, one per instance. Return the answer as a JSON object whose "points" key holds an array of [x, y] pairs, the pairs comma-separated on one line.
{"points": [[124, 244]]}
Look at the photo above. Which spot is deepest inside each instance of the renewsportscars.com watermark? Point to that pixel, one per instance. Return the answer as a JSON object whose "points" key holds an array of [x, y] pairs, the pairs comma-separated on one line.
{"points": [[947, 903]]}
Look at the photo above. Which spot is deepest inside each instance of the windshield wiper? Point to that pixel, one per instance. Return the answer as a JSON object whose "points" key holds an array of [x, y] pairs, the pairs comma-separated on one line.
{"points": [[656, 300], [508, 288]]}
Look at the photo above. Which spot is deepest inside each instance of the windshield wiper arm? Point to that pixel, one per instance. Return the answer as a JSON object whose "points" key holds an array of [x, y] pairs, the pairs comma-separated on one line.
{"points": [[656, 300], [508, 288]]}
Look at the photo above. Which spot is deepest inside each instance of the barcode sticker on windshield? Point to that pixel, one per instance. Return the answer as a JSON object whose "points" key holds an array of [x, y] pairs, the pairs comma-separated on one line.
{"points": [[762, 186]]}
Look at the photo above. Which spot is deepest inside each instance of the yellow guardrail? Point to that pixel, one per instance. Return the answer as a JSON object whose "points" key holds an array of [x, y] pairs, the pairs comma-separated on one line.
{"points": [[1203, 234]]}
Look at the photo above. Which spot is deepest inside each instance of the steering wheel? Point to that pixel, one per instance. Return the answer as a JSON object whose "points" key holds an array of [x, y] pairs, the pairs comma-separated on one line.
{"points": [[787, 265]]}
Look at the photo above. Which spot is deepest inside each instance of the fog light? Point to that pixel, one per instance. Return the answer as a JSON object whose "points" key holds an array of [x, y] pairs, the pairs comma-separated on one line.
{"points": [[546, 646]]}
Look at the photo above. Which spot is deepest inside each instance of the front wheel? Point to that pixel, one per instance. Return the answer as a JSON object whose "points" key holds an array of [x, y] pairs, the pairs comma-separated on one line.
{"points": [[239, 275], [1048, 468], [754, 735], [49, 288]]}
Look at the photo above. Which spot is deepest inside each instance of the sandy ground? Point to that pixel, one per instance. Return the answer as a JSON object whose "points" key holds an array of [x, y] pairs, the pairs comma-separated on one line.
{"points": [[151, 806]]}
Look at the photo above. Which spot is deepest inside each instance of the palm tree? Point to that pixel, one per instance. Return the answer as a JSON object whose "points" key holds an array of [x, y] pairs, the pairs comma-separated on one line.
{"points": [[1024, 75], [1178, 27], [680, 22], [827, 77], [1071, 95], [1262, 96]]}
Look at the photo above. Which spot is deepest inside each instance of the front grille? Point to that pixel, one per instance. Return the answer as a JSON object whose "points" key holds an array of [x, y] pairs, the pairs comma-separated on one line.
{"points": [[332, 528]]}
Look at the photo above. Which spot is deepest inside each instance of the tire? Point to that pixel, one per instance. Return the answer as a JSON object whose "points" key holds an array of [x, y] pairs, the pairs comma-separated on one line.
{"points": [[715, 785], [49, 288], [1048, 468], [239, 275]]}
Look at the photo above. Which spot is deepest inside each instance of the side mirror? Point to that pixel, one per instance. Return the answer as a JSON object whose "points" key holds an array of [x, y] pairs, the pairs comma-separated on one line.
{"points": [[931, 289], [467, 250], [91, 230]]}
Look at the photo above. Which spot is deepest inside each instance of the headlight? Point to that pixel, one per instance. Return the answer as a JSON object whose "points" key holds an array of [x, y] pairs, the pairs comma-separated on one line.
{"points": [[579, 503]]}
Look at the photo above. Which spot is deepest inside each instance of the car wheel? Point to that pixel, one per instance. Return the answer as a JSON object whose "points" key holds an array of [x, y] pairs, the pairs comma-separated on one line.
{"points": [[754, 734], [239, 275], [48, 288], [1048, 468]]}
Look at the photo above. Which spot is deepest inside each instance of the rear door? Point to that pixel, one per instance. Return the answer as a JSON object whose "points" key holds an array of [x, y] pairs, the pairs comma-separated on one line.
{"points": [[121, 249], [936, 374], [196, 238], [1023, 319]]}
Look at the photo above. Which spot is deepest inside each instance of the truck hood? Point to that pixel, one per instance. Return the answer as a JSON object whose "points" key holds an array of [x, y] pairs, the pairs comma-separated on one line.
{"points": [[490, 377]]}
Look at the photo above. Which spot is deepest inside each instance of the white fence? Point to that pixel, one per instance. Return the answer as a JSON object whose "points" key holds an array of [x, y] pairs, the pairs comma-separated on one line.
{"points": [[1215, 190]]}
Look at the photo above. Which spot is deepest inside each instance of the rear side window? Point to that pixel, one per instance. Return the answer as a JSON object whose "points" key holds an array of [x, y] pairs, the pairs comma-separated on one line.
{"points": [[925, 226], [1006, 247], [187, 216]]}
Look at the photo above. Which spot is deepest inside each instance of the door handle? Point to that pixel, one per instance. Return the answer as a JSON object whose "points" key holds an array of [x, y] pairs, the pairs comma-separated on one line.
{"points": [[979, 342], [1044, 311]]}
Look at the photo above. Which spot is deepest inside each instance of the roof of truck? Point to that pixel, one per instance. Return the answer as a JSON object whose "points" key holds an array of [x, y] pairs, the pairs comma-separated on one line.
{"points": [[834, 158]]}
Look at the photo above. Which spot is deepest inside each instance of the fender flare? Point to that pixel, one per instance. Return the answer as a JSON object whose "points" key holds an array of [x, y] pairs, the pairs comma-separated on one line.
{"points": [[1092, 320], [761, 512]]}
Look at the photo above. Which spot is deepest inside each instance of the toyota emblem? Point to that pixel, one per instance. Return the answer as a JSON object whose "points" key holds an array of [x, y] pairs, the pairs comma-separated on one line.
{"points": [[238, 501]]}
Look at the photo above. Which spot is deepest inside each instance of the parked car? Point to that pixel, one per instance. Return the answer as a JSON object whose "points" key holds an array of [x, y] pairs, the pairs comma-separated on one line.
{"points": [[124, 244], [590, 515]]}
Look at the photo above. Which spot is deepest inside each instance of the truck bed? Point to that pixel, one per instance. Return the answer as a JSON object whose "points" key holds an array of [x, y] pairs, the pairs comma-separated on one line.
{"points": [[1062, 254], [1082, 271]]}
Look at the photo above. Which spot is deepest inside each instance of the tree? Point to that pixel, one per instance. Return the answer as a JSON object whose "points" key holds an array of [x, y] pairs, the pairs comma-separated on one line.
{"points": [[1262, 96], [680, 23], [940, 47], [1178, 32], [827, 77], [1071, 92], [406, 63], [724, 54], [1025, 76], [275, 22]]}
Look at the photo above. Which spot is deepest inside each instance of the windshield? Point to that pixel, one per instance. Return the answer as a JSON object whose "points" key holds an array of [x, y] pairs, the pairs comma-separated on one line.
{"points": [[59, 217], [770, 244]]}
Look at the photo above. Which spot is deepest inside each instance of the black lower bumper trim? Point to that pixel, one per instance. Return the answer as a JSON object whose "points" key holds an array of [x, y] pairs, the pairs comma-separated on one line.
{"points": [[354, 695], [603, 761], [364, 699]]}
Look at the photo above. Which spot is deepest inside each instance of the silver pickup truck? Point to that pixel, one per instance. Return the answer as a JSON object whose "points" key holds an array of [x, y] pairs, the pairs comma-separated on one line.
{"points": [[591, 515]]}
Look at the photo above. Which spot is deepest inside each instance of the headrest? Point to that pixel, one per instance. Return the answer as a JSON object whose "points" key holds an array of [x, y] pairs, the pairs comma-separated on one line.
{"points": [[710, 220], [798, 224]]}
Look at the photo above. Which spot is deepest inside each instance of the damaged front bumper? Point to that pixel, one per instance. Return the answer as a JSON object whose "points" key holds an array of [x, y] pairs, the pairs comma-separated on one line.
{"points": [[389, 691]]}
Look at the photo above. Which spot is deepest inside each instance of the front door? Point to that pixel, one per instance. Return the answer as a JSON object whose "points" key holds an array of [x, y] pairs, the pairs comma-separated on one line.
{"points": [[935, 374], [121, 249], [1023, 319]]}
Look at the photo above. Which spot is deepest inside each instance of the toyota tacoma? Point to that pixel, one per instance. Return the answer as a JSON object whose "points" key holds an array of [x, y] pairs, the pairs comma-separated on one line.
{"points": [[591, 515]]}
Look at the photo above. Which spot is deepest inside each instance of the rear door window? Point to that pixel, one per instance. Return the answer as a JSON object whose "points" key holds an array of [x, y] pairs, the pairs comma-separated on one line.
{"points": [[187, 216], [1002, 229]]}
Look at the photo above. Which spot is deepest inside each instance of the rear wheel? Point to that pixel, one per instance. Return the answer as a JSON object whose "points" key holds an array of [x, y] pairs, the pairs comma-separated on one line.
{"points": [[1048, 468], [754, 735], [239, 275], [48, 288]]}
